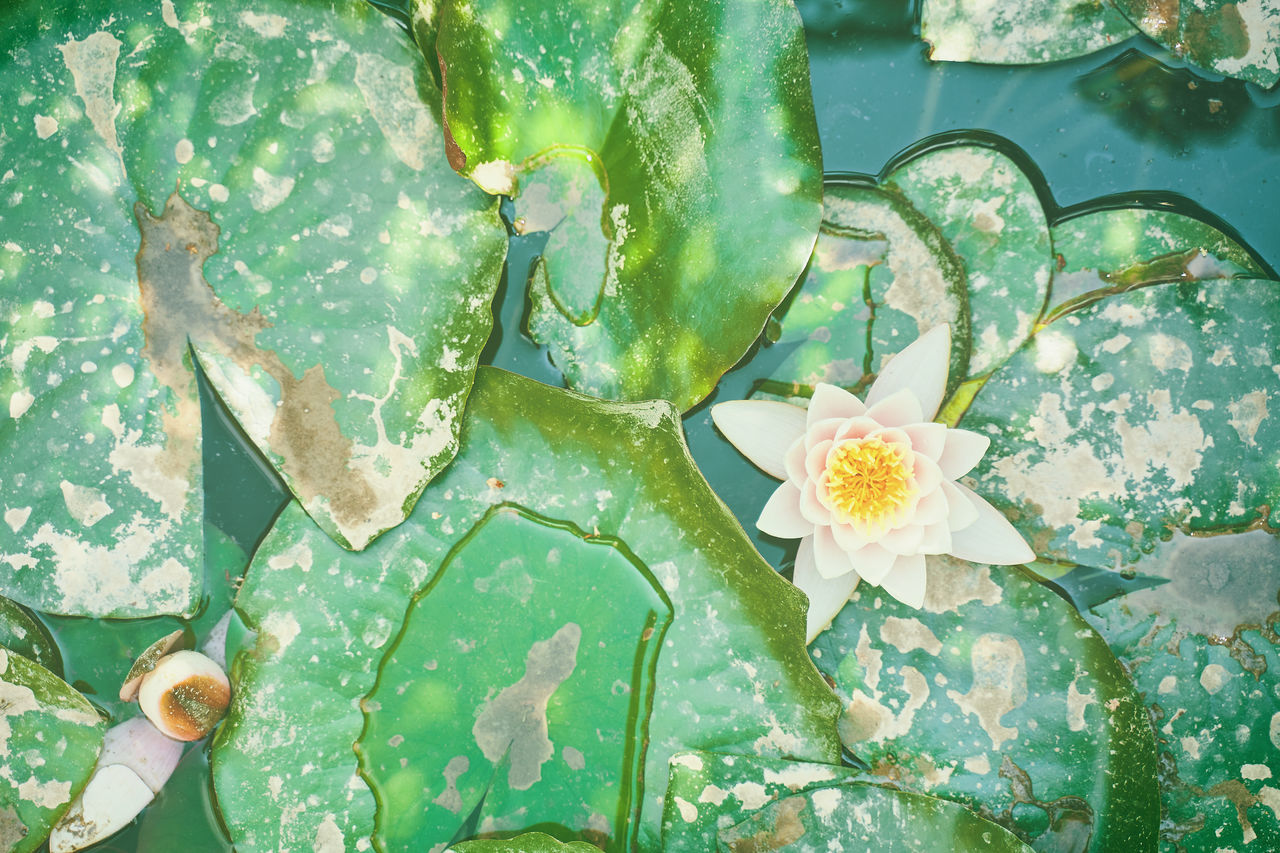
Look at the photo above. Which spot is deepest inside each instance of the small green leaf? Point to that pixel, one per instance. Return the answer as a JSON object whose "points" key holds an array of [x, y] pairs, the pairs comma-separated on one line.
{"points": [[1232, 38], [1202, 649], [529, 842], [43, 773], [616, 470], [22, 632], [1032, 31], [1135, 416], [680, 186], [999, 695]]}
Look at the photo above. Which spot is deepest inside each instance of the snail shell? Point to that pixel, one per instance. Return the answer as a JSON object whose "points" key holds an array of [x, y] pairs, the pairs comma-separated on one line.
{"points": [[185, 695]]}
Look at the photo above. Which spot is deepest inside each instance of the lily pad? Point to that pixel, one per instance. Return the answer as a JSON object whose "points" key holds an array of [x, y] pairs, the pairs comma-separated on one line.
{"points": [[41, 775], [1016, 34], [989, 212], [1203, 651], [682, 187], [310, 190], [529, 842], [1104, 252], [284, 770], [551, 711], [881, 275], [1238, 39], [866, 817], [1134, 416], [999, 695], [21, 631]]}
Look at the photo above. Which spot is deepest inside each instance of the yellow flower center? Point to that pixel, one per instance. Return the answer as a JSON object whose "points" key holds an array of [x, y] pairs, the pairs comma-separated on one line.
{"points": [[868, 478]]}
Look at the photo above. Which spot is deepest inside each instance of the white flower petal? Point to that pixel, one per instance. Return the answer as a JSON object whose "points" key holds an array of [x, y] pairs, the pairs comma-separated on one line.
{"points": [[762, 430], [139, 745], [922, 367], [963, 450], [831, 560], [113, 796], [961, 510], [822, 431], [937, 538], [903, 540], [794, 462], [928, 477], [932, 508], [847, 538], [991, 539], [906, 581], [927, 438], [810, 507], [781, 516], [815, 461], [827, 596], [873, 562], [898, 409], [858, 427], [831, 401]]}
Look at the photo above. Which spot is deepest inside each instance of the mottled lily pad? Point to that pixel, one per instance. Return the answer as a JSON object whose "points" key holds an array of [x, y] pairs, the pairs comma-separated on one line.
{"points": [[22, 632], [999, 695], [1135, 416], [544, 720], [1238, 39], [680, 187], [284, 769], [1032, 31], [529, 842], [881, 275], [1203, 651], [41, 774]]}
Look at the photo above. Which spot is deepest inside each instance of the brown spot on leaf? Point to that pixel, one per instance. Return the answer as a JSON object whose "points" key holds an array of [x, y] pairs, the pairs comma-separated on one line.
{"points": [[452, 151], [1212, 36], [788, 828]]}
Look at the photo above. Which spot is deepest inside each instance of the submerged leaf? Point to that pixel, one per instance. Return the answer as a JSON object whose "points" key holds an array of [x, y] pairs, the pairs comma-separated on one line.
{"points": [[1031, 31], [1238, 39]]}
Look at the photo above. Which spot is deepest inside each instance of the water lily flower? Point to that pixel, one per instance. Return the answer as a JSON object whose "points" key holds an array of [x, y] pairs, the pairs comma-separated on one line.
{"points": [[869, 487]]}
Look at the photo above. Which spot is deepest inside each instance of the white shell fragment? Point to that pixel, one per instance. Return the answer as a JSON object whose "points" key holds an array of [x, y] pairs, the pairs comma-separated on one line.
{"points": [[185, 695], [113, 797]]}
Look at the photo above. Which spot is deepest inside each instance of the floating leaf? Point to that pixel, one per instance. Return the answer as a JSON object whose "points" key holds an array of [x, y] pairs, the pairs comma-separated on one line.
{"points": [[990, 214], [1238, 39], [867, 817], [529, 842], [41, 774], [556, 703], [1134, 416], [999, 695], [710, 791], [284, 769], [1203, 651], [1110, 251], [1028, 32], [22, 632], [680, 186], [881, 274]]}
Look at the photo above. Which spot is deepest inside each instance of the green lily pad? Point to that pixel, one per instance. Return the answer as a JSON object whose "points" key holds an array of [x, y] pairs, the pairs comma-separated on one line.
{"points": [[1203, 651], [999, 695], [1104, 252], [989, 212], [21, 631], [1232, 38], [680, 187], [556, 703], [529, 842], [41, 774], [284, 770], [1028, 32], [310, 190], [867, 817], [710, 791], [1133, 417], [881, 275]]}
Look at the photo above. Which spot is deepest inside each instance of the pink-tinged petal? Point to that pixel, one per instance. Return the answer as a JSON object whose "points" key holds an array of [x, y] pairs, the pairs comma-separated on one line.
{"points": [[899, 409], [906, 581], [873, 563], [810, 507], [794, 462], [781, 516], [929, 439], [827, 596], [859, 427], [762, 430], [928, 477], [815, 461], [139, 745], [830, 401], [831, 559], [847, 538], [822, 431], [964, 450], [991, 539], [921, 368], [932, 508], [937, 539], [903, 540], [962, 511], [893, 435]]}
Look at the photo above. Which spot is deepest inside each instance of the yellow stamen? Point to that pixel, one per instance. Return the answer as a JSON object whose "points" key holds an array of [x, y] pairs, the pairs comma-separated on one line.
{"points": [[868, 478]]}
